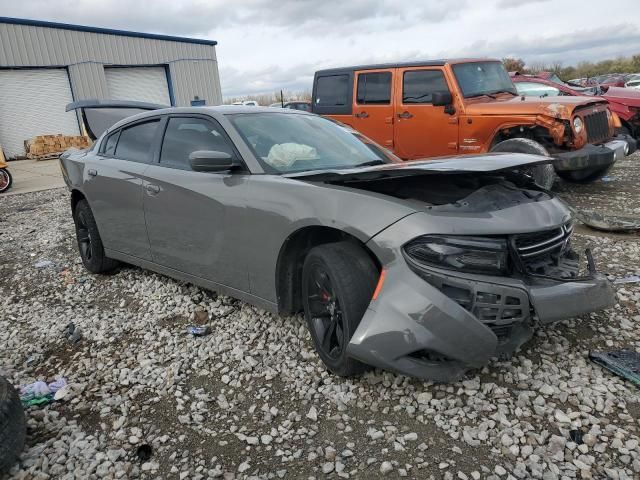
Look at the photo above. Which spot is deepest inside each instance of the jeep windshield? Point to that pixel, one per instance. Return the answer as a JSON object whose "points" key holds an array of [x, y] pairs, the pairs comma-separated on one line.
{"points": [[287, 143], [483, 78]]}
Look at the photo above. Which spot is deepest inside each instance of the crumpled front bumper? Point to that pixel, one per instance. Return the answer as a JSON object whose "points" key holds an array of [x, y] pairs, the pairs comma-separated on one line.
{"points": [[595, 156], [417, 327]]}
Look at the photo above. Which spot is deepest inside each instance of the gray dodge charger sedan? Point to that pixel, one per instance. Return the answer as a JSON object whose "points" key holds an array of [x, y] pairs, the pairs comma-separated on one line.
{"points": [[426, 268]]}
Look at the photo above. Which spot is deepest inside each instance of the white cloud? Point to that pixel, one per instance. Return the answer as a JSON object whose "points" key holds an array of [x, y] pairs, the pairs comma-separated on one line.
{"points": [[267, 45]]}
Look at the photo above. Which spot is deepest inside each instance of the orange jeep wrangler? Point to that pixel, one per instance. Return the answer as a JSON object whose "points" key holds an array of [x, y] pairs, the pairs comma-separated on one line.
{"points": [[448, 107]]}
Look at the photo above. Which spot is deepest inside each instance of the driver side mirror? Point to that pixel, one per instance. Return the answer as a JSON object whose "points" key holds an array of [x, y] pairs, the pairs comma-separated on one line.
{"points": [[212, 161], [441, 99]]}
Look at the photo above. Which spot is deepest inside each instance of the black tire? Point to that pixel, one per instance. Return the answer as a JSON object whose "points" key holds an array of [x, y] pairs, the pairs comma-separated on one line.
{"points": [[12, 425], [5, 180], [89, 241], [543, 175], [623, 131], [338, 280], [585, 175]]}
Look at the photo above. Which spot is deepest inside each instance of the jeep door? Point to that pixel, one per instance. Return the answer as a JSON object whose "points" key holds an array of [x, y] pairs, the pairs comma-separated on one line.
{"points": [[422, 129], [113, 186], [372, 108], [194, 219]]}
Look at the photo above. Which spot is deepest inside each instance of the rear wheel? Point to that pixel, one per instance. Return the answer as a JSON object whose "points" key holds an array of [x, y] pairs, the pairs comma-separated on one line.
{"points": [[543, 175], [338, 280], [12, 425], [5, 180], [89, 241]]}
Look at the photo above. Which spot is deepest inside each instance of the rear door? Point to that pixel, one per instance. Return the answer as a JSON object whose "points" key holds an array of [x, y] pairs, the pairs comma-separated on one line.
{"points": [[113, 186], [195, 219], [422, 130], [372, 108]]}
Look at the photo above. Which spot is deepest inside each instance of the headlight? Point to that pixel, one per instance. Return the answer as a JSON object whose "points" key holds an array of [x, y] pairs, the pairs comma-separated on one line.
{"points": [[577, 124], [467, 254]]}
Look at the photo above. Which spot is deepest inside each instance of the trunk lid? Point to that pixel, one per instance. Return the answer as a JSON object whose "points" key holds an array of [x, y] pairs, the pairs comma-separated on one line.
{"points": [[99, 115]]}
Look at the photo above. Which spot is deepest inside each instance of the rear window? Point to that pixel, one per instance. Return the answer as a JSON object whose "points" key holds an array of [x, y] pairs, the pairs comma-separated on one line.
{"points": [[135, 142], [332, 91], [418, 86], [374, 88]]}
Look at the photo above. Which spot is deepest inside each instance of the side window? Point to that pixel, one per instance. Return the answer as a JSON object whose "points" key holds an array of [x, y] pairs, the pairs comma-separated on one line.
{"points": [[332, 91], [185, 135], [136, 142], [109, 147], [374, 88], [418, 85]]}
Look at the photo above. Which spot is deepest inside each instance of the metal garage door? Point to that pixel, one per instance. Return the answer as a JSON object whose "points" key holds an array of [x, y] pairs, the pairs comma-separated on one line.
{"points": [[144, 84], [32, 103]]}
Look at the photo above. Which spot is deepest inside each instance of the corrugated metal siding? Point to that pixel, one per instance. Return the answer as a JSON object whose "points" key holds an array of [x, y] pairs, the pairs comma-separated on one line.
{"points": [[85, 53], [195, 78], [88, 80], [32, 103]]}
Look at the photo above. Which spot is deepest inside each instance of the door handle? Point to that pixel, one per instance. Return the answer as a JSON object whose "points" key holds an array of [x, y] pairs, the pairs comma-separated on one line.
{"points": [[152, 189], [405, 115], [92, 172], [361, 115]]}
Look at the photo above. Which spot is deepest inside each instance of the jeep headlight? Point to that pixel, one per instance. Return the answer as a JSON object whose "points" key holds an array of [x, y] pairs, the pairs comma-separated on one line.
{"points": [[578, 125], [468, 254]]}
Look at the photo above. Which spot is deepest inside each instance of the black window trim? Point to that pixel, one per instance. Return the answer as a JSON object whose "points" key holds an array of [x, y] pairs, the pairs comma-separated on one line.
{"points": [[407, 70], [119, 130], [156, 160], [345, 109], [372, 72]]}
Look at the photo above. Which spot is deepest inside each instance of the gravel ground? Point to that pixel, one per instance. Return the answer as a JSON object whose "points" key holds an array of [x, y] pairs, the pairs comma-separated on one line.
{"points": [[253, 400]]}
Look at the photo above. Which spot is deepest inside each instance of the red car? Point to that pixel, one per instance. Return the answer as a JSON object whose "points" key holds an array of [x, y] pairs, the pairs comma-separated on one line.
{"points": [[625, 102]]}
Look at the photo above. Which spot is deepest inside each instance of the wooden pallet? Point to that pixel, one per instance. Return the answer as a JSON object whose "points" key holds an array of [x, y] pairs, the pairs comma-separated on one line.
{"points": [[44, 156]]}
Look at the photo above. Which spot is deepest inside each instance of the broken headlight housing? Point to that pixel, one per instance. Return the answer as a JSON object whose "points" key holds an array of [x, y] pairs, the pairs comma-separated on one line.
{"points": [[467, 254]]}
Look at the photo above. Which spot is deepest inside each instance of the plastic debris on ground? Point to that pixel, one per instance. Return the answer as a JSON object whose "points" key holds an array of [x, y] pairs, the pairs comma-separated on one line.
{"points": [[73, 333], [627, 279], [608, 178], [576, 436], [624, 363], [42, 393], [44, 264], [606, 222], [198, 331]]}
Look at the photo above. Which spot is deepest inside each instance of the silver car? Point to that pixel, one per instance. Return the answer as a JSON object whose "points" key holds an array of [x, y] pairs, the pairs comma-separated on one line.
{"points": [[427, 268]]}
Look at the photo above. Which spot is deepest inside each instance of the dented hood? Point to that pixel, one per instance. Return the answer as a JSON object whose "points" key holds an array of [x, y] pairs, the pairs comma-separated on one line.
{"points": [[491, 162], [557, 107]]}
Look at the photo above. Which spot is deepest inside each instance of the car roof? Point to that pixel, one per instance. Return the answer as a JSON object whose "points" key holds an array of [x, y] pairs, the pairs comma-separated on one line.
{"points": [[423, 63], [212, 111]]}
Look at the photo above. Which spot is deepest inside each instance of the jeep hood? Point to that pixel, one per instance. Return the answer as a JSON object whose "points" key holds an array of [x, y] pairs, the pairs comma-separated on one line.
{"points": [[557, 107], [486, 163]]}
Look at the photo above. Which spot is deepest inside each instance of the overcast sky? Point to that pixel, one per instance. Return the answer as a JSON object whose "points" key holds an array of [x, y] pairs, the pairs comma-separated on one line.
{"points": [[264, 45]]}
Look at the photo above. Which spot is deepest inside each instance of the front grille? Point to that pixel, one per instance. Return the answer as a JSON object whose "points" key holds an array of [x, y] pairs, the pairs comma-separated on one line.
{"points": [[532, 245], [597, 125]]}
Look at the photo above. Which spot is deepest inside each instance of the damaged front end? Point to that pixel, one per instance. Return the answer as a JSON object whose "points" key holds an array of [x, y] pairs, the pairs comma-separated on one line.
{"points": [[494, 264]]}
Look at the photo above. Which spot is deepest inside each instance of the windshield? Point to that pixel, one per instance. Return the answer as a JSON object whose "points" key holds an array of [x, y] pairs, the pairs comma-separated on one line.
{"points": [[285, 143], [482, 78]]}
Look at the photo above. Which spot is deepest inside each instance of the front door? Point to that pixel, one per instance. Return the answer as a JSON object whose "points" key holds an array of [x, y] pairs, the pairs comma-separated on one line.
{"points": [[372, 108], [194, 219], [422, 130], [113, 187]]}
